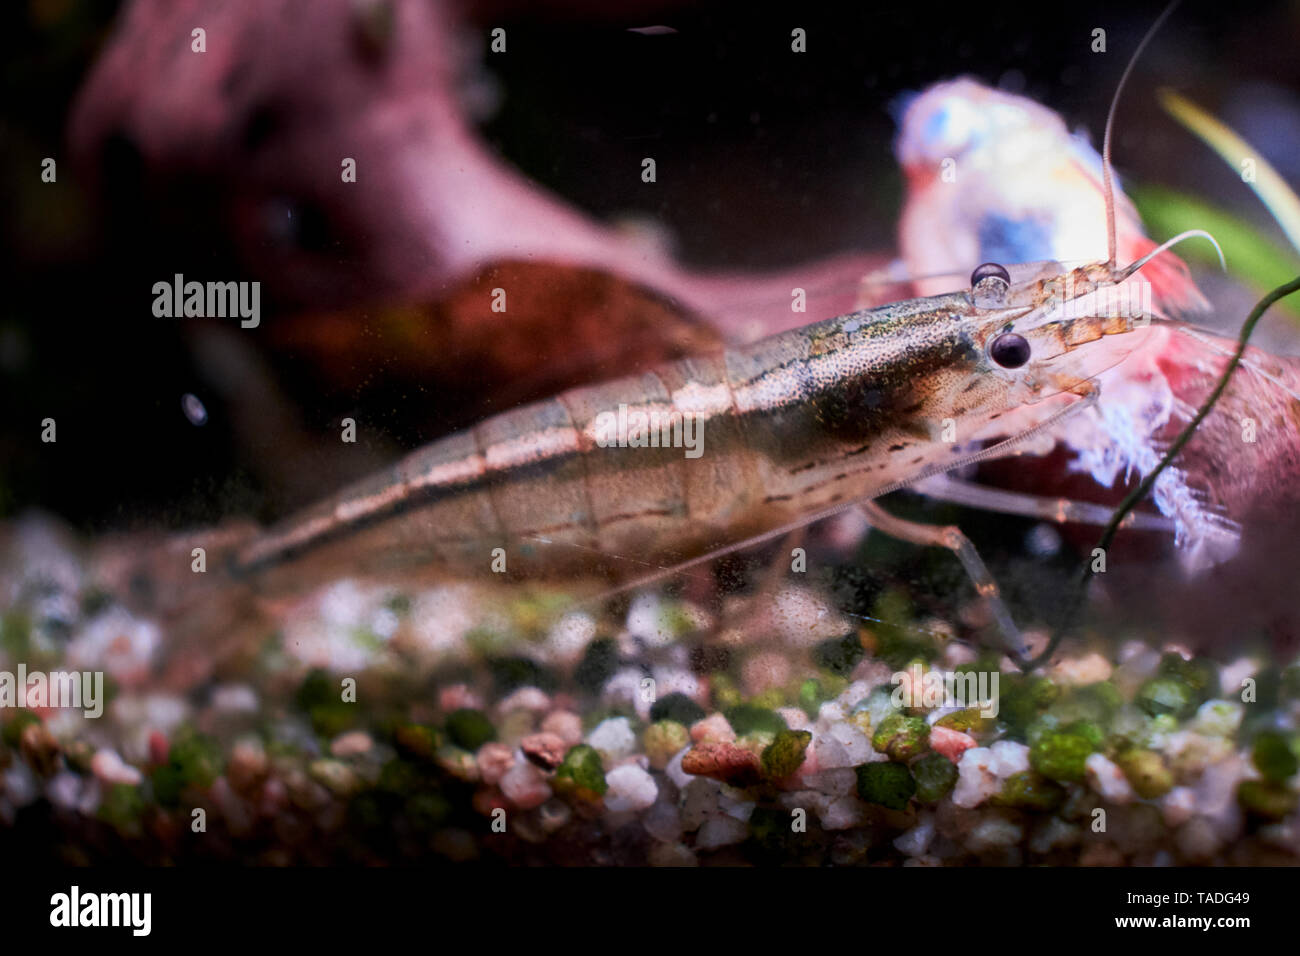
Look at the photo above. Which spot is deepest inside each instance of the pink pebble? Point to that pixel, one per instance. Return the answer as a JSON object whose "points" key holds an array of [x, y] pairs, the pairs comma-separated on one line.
{"points": [[764, 671], [458, 696], [494, 760], [951, 743], [713, 729], [564, 724]]}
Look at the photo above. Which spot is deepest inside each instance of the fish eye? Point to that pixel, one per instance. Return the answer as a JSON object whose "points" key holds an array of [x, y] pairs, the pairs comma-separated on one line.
{"points": [[989, 270], [1009, 350]]}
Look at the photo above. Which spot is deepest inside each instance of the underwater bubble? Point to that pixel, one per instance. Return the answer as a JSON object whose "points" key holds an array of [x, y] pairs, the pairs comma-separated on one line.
{"points": [[1043, 540], [193, 409]]}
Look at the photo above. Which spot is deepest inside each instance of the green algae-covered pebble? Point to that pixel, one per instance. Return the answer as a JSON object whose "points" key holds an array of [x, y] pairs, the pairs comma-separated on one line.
{"points": [[1028, 790], [902, 738], [890, 785], [1273, 756], [122, 807], [581, 770], [1024, 697], [470, 729], [15, 725], [1147, 772], [811, 697], [968, 721], [935, 777], [1097, 703], [598, 664], [193, 759], [786, 753], [771, 699], [1165, 695], [335, 775], [662, 739], [1088, 730], [839, 655], [1265, 799], [418, 740], [1198, 675], [1060, 756], [320, 696], [750, 718], [678, 708], [724, 692]]}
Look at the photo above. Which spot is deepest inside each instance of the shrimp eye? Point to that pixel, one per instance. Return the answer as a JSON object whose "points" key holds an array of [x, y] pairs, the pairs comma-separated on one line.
{"points": [[989, 285], [989, 270], [1010, 350]]}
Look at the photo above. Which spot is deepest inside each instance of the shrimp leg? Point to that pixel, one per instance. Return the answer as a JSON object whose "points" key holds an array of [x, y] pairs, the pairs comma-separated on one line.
{"points": [[1056, 510], [952, 538]]}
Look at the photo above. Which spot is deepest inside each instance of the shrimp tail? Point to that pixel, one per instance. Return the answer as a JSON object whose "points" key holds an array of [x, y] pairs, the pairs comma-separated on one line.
{"points": [[184, 583]]}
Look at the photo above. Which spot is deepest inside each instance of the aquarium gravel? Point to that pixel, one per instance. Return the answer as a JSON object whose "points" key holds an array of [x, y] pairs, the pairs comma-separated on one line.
{"points": [[379, 726]]}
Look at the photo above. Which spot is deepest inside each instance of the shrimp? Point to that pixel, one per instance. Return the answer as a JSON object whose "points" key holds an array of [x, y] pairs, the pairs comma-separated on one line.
{"points": [[786, 431], [795, 428]]}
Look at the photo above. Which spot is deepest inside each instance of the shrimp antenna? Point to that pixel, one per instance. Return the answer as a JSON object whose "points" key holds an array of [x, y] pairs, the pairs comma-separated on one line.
{"points": [[1134, 266], [1106, 173]]}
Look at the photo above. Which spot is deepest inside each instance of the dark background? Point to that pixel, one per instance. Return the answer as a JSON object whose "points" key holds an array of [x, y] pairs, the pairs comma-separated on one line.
{"points": [[765, 159]]}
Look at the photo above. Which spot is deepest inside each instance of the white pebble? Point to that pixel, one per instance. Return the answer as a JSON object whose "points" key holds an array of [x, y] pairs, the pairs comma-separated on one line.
{"points": [[625, 688], [1232, 676], [735, 805], [837, 782], [630, 788], [64, 790], [699, 801], [1008, 758], [976, 779], [663, 822], [1082, 670], [802, 618], [841, 813], [567, 641], [917, 840], [525, 787], [1052, 833], [794, 718], [1178, 805], [676, 774], [993, 833], [525, 698], [19, 784], [648, 619], [1218, 718], [720, 831], [857, 746], [110, 768], [613, 738], [235, 699], [1107, 779]]}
